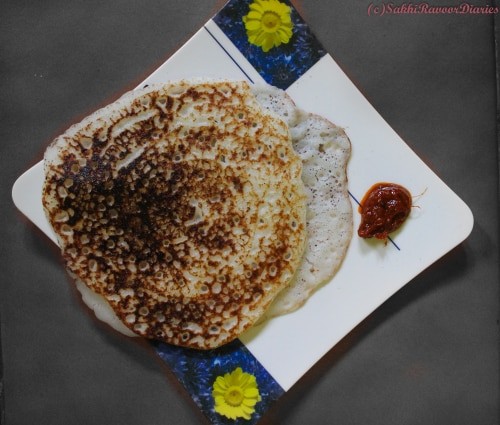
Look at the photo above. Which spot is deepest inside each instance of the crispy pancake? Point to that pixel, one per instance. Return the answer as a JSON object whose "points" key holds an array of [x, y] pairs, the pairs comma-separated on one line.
{"points": [[325, 150], [183, 206]]}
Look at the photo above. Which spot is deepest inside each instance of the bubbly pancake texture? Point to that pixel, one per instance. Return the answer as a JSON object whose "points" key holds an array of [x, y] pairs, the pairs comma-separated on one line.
{"points": [[183, 206], [325, 150]]}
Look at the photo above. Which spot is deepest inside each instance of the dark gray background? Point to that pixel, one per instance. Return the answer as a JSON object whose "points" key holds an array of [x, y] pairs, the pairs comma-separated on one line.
{"points": [[429, 355]]}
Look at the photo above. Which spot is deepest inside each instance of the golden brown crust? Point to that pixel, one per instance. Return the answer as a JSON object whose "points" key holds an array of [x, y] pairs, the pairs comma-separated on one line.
{"points": [[182, 205]]}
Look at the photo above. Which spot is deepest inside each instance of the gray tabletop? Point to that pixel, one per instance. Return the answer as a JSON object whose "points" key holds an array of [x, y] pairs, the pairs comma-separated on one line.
{"points": [[429, 355]]}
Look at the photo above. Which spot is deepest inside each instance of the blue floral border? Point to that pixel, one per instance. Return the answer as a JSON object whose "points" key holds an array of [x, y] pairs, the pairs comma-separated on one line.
{"points": [[282, 65], [197, 371]]}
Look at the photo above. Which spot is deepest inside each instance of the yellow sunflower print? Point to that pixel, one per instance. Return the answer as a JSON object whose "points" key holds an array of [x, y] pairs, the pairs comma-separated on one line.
{"points": [[236, 394], [268, 24]]}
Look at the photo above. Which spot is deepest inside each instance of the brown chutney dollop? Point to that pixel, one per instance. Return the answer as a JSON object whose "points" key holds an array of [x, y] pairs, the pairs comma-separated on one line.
{"points": [[383, 209]]}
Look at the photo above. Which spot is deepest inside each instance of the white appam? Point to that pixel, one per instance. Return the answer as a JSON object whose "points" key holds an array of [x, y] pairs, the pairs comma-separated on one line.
{"points": [[324, 149]]}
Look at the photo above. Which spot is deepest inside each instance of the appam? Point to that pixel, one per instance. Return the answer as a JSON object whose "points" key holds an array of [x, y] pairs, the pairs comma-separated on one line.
{"points": [[182, 205], [324, 149]]}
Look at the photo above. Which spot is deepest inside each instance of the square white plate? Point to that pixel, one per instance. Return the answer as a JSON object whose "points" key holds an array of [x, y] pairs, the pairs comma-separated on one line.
{"points": [[371, 271]]}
